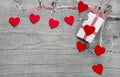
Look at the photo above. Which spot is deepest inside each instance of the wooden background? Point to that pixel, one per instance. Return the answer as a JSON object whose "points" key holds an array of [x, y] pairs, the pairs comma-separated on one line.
{"points": [[38, 51]]}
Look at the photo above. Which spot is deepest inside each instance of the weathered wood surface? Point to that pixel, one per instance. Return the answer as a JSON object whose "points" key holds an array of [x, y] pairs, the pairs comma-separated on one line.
{"points": [[38, 51]]}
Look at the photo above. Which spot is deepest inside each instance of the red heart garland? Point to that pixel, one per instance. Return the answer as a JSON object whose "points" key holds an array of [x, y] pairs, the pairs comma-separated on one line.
{"points": [[99, 50], [98, 68], [34, 18], [89, 29], [69, 20], [82, 6], [14, 21], [53, 23], [80, 46]]}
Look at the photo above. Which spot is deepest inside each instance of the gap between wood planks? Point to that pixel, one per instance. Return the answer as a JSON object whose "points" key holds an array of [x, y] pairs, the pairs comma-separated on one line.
{"points": [[114, 17]]}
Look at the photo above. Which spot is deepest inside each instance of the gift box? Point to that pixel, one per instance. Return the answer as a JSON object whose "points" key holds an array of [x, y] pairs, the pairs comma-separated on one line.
{"points": [[90, 27]]}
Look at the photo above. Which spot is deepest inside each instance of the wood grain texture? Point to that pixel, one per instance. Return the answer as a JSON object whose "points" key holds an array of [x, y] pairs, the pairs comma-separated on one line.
{"points": [[38, 51]]}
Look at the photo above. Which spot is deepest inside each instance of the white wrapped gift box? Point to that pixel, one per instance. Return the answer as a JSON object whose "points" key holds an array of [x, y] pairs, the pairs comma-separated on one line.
{"points": [[93, 20]]}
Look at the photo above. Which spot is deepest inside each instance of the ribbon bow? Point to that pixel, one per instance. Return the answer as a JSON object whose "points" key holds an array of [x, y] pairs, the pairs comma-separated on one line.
{"points": [[93, 9]]}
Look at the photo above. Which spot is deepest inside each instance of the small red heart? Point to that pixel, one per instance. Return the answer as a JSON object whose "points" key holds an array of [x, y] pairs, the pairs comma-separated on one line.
{"points": [[89, 29], [53, 23], [98, 68], [80, 46], [34, 18], [14, 21], [99, 50], [69, 20], [82, 6]]}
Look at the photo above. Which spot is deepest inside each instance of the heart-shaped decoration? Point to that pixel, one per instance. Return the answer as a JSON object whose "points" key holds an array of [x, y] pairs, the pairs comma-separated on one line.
{"points": [[14, 21], [98, 68], [53, 23], [34, 18], [82, 6], [69, 20], [99, 50], [80, 46], [89, 30]]}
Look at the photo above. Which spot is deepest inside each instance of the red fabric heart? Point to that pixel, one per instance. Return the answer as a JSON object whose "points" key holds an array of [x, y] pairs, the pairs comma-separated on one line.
{"points": [[98, 68], [89, 30], [80, 46], [69, 20], [34, 18], [99, 50], [14, 21], [82, 6], [53, 23]]}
